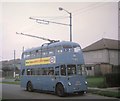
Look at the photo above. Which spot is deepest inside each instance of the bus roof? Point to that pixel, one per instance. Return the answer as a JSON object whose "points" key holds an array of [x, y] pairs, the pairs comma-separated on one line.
{"points": [[55, 44]]}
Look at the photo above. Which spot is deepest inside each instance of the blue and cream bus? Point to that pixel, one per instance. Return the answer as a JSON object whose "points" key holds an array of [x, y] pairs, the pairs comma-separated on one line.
{"points": [[56, 67]]}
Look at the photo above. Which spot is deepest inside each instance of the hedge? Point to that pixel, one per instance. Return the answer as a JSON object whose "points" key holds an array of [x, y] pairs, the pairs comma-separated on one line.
{"points": [[113, 79]]}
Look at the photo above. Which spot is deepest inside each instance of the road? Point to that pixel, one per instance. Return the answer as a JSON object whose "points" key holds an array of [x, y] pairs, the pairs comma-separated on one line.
{"points": [[10, 91]]}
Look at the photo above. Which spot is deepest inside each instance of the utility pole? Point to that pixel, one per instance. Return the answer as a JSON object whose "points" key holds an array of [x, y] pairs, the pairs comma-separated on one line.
{"points": [[14, 65], [70, 26], [23, 49]]}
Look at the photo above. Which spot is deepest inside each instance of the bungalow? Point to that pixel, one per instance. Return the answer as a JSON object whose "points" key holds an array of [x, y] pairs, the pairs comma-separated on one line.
{"points": [[102, 57]]}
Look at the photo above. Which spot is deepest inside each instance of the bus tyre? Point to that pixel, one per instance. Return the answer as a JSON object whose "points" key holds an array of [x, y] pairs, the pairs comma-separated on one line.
{"points": [[29, 87], [60, 90]]}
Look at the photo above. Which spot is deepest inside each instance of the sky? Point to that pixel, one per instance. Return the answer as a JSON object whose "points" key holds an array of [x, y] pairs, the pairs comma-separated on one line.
{"points": [[91, 21]]}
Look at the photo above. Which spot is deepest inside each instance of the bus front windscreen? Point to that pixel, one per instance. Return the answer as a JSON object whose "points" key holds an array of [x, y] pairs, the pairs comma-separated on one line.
{"points": [[71, 69]]}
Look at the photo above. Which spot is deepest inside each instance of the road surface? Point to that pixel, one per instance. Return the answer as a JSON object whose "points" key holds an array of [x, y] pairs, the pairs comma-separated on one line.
{"points": [[10, 91]]}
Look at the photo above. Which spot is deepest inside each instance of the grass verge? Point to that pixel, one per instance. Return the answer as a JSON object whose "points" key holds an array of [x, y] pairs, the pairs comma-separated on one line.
{"points": [[106, 93], [16, 82], [96, 82]]}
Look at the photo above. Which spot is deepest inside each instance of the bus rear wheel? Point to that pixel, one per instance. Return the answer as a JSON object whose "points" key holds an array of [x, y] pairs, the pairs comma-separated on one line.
{"points": [[29, 87], [60, 90]]}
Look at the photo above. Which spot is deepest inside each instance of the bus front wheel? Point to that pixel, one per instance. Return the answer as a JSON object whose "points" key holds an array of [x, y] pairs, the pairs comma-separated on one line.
{"points": [[60, 90], [29, 87]]}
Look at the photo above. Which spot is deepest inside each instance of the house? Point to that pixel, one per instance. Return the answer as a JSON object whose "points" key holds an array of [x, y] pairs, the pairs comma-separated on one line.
{"points": [[102, 56], [8, 67]]}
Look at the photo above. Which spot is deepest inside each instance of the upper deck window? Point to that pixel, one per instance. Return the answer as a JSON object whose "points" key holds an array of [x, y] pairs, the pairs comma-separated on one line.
{"points": [[44, 52], [59, 49], [33, 53], [76, 49], [26, 55], [51, 52]]}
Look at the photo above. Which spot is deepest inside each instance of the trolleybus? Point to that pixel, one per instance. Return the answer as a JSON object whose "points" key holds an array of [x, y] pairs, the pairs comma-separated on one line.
{"points": [[56, 67]]}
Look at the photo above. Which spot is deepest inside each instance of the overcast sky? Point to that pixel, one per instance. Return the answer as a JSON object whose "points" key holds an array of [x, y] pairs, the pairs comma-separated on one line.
{"points": [[91, 21]]}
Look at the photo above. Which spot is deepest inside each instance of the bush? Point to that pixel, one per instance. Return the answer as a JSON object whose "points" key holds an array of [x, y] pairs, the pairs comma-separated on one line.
{"points": [[112, 79]]}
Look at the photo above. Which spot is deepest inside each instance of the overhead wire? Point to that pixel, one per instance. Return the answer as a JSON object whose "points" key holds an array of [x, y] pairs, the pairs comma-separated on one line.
{"points": [[74, 13], [92, 7], [84, 7]]}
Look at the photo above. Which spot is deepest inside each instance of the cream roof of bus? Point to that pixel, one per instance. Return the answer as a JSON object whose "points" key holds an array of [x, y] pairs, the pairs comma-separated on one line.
{"points": [[52, 45]]}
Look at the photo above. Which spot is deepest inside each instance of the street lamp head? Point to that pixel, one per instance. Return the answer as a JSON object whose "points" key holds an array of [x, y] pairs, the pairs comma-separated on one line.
{"points": [[60, 8]]}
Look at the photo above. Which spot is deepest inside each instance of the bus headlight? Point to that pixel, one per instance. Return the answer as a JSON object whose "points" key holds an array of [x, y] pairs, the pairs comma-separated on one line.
{"points": [[69, 84], [86, 82]]}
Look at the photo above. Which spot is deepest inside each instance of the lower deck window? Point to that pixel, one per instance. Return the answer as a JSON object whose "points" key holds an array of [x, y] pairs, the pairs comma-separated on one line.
{"points": [[63, 70], [28, 72]]}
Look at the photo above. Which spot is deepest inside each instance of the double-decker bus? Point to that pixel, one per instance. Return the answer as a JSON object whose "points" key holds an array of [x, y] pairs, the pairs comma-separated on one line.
{"points": [[56, 67]]}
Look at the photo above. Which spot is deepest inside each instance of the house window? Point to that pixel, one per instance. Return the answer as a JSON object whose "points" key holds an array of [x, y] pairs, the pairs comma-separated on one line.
{"points": [[89, 68]]}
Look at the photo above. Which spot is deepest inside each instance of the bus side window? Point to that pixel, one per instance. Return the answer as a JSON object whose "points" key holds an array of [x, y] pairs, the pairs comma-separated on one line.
{"points": [[50, 71], [57, 70], [44, 71], [38, 71], [63, 70], [33, 71], [28, 72], [23, 71]]}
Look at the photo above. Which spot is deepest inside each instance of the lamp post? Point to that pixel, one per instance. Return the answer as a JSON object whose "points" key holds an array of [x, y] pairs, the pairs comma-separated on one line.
{"points": [[70, 21]]}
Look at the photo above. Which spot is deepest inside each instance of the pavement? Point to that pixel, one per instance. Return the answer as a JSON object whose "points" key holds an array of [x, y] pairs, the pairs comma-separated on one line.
{"points": [[112, 89]]}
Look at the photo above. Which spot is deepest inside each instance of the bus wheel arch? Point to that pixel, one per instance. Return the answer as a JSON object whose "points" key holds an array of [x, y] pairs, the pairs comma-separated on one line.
{"points": [[59, 89], [29, 86]]}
